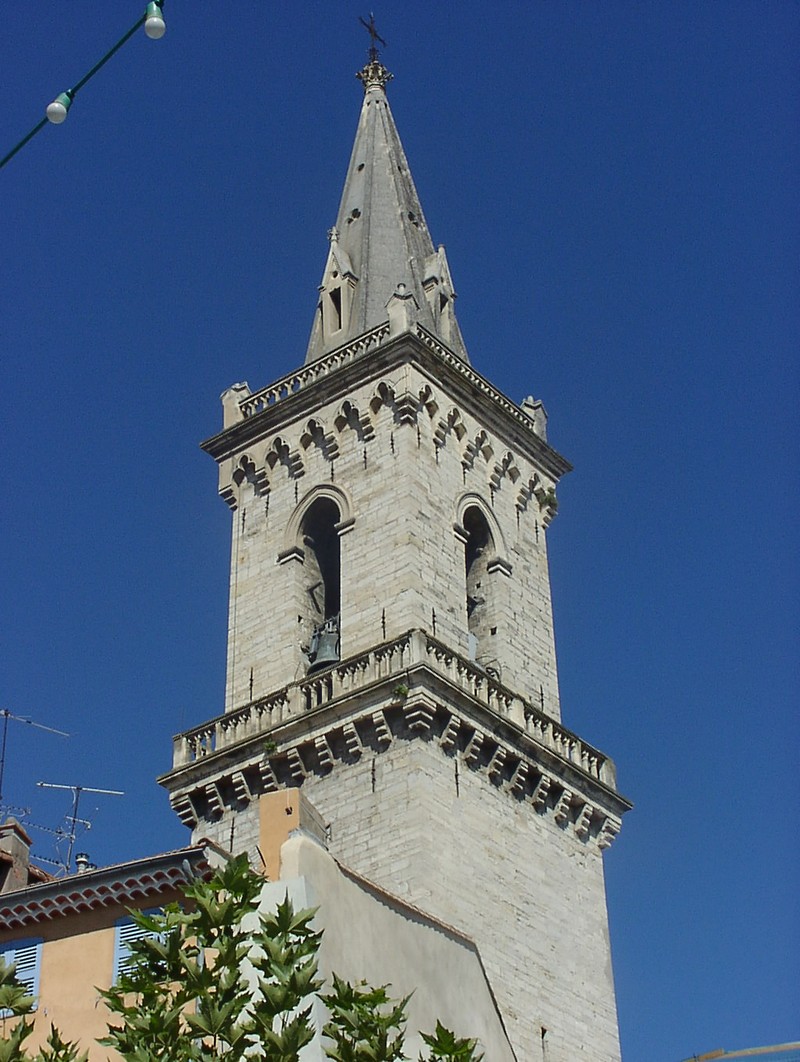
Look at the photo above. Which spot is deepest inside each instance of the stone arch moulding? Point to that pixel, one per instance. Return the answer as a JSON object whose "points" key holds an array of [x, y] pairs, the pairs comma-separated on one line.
{"points": [[545, 495], [427, 401], [383, 395], [279, 452], [244, 471], [292, 545], [405, 405], [482, 445], [466, 501], [453, 422], [505, 469], [349, 416], [314, 434]]}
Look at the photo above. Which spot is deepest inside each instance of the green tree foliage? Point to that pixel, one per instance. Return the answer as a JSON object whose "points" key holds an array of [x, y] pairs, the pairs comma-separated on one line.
{"points": [[366, 1025], [214, 979]]}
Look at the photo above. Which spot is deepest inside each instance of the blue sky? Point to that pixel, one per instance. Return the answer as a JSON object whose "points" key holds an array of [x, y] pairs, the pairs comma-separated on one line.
{"points": [[616, 184]]}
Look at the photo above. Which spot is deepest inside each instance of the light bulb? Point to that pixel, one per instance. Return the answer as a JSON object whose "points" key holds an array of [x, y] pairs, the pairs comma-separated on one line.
{"points": [[57, 110], [154, 24]]}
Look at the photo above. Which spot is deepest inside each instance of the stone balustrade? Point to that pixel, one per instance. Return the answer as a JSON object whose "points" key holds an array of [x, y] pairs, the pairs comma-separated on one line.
{"points": [[465, 369], [396, 660], [296, 381], [289, 385]]}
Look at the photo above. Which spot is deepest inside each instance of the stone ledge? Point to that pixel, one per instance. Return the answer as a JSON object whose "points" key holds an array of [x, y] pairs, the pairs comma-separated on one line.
{"points": [[301, 394], [411, 689]]}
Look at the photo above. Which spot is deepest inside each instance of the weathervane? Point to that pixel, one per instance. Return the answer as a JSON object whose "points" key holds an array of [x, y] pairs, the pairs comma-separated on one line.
{"points": [[374, 36]]}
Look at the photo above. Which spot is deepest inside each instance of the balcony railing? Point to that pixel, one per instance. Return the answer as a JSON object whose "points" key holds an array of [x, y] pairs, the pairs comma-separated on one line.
{"points": [[399, 659], [296, 381]]}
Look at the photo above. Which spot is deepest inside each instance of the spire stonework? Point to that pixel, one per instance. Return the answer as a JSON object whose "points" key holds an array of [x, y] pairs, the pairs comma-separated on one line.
{"points": [[374, 75], [382, 232]]}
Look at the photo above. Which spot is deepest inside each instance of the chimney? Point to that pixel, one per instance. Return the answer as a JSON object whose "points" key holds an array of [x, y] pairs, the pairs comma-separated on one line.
{"points": [[83, 864], [15, 856]]}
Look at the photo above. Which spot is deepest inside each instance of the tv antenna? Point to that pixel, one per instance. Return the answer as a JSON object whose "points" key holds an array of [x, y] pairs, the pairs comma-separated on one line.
{"points": [[6, 715], [72, 819]]}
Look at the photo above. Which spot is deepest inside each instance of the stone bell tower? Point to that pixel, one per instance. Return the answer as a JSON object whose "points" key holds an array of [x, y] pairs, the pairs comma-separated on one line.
{"points": [[390, 644]]}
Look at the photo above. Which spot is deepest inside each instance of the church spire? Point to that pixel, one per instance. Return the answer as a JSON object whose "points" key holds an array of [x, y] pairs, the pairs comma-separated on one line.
{"points": [[380, 248]]}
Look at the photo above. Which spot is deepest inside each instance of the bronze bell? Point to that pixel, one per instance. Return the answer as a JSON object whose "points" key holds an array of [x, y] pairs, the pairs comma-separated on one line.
{"points": [[324, 649]]}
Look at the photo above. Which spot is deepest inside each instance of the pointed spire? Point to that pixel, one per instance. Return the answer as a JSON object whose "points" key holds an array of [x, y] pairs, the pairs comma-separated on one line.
{"points": [[381, 252]]}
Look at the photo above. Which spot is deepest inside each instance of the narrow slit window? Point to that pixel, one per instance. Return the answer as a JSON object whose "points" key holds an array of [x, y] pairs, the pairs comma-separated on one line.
{"points": [[335, 296]]}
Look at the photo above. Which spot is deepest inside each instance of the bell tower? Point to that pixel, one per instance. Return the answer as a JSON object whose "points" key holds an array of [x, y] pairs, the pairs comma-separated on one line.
{"points": [[390, 644]]}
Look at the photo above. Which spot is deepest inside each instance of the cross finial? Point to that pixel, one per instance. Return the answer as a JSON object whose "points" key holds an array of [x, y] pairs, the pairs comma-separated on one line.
{"points": [[374, 74], [374, 36]]}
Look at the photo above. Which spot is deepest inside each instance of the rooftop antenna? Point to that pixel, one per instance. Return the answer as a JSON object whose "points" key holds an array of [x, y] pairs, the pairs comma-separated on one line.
{"points": [[374, 36], [6, 715], [72, 818]]}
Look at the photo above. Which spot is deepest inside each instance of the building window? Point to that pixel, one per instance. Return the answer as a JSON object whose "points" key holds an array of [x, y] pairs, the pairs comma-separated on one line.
{"points": [[322, 572], [478, 550], [26, 956], [335, 295], [125, 932]]}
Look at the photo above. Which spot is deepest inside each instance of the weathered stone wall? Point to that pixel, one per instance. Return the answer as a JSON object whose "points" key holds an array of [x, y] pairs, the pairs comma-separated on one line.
{"points": [[530, 893], [403, 467], [413, 474]]}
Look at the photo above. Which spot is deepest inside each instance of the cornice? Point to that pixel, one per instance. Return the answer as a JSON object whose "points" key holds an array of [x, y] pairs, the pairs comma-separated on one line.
{"points": [[366, 360], [413, 687], [122, 885]]}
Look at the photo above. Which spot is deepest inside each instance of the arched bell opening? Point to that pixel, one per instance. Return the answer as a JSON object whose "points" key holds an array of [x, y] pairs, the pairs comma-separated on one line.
{"points": [[322, 571], [478, 551]]}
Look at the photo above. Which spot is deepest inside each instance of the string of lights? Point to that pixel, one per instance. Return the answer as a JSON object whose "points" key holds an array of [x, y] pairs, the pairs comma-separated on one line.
{"points": [[56, 112]]}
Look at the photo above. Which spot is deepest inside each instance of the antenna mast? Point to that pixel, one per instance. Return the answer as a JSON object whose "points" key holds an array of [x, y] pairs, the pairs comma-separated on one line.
{"points": [[72, 818], [6, 715]]}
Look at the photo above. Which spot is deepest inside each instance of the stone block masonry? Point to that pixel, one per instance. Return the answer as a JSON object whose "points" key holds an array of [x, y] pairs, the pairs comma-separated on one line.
{"points": [[418, 821], [388, 483], [406, 467]]}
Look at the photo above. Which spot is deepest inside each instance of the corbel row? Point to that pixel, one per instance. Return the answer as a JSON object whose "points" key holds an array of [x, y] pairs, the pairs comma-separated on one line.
{"points": [[416, 716], [523, 779]]}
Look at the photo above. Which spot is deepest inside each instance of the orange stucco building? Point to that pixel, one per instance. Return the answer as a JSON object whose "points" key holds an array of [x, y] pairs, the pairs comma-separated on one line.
{"points": [[67, 935]]}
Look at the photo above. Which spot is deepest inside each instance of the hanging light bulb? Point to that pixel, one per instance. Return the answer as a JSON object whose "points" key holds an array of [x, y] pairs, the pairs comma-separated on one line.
{"points": [[154, 24], [57, 111]]}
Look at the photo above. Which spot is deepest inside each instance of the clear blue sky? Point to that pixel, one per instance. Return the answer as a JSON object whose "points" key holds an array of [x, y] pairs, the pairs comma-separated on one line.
{"points": [[617, 187]]}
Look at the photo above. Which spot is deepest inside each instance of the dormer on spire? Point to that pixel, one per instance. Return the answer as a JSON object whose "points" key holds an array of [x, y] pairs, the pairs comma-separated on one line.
{"points": [[336, 293], [380, 241]]}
